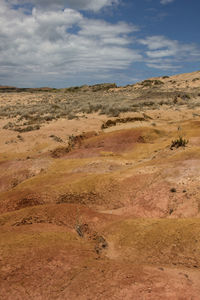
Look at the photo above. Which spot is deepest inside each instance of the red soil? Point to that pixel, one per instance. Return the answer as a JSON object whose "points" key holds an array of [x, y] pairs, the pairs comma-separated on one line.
{"points": [[117, 142], [63, 222]]}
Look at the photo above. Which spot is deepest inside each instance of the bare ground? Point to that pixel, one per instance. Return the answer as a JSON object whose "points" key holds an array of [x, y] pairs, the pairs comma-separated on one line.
{"points": [[113, 213]]}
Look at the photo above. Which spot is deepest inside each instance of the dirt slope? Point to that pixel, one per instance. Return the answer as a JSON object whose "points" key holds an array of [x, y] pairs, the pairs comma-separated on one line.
{"points": [[101, 207]]}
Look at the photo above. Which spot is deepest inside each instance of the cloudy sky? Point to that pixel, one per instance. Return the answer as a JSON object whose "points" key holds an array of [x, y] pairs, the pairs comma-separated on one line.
{"points": [[61, 43]]}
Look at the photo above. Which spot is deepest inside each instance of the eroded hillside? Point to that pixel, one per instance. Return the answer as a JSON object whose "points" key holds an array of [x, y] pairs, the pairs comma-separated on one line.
{"points": [[99, 192]]}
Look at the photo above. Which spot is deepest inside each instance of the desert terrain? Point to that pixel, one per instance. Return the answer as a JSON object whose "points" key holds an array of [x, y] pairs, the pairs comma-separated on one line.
{"points": [[99, 191]]}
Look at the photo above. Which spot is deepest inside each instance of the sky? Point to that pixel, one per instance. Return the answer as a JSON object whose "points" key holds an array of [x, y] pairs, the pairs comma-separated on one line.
{"points": [[62, 43]]}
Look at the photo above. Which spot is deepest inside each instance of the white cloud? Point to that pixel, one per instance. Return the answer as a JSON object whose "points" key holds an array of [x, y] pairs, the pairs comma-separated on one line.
{"points": [[106, 33], [163, 64], [164, 53], [166, 1], [94, 5], [61, 44]]}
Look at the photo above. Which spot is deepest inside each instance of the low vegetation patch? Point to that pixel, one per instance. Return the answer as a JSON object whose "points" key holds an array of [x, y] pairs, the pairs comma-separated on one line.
{"points": [[149, 83], [35, 109], [56, 138], [110, 123], [74, 141], [180, 142], [18, 128]]}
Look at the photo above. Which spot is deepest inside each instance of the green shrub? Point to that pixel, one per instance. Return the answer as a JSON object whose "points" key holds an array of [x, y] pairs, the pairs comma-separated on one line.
{"points": [[180, 142], [147, 83], [158, 82]]}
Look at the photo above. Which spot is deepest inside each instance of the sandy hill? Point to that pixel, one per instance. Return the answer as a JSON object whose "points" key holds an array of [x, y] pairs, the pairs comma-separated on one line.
{"points": [[99, 191]]}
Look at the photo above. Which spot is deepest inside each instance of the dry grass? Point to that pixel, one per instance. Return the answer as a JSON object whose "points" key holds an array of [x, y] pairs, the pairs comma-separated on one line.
{"points": [[30, 111], [157, 241]]}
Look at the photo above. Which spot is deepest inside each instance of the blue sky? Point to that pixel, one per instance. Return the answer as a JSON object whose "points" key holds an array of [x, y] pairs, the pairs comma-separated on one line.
{"points": [[61, 43]]}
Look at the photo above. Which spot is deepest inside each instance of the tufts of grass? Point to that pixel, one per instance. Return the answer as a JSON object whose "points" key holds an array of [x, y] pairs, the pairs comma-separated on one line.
{"points": [[56, 138], [180, 142], [77, 101]]}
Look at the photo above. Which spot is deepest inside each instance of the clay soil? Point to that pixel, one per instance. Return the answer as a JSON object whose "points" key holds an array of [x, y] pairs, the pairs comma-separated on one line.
{"points": [[90, 211]]}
